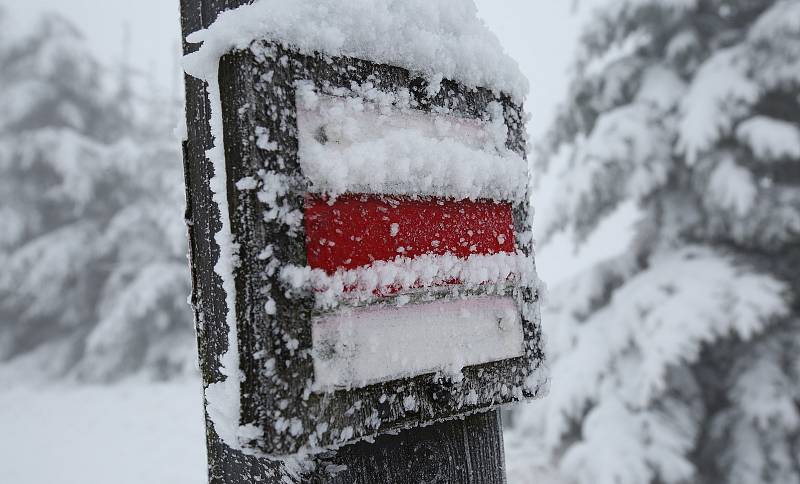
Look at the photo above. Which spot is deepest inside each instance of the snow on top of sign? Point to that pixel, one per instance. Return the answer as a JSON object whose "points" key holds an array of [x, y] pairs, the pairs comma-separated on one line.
{"points": [[436, 39], [352, 144]]}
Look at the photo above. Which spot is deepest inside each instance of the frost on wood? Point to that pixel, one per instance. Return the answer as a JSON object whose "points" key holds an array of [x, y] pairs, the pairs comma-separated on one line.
{"points": [[286, 118], [222, 398]]}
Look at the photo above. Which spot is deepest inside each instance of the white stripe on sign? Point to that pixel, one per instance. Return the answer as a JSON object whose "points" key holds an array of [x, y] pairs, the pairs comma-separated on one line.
{"points": [[347, 145], [356, 347]]}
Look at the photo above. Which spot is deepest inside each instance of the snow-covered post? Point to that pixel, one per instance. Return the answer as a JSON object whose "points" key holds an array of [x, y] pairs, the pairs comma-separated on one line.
{"points": [[225, 465], [362, 266]]}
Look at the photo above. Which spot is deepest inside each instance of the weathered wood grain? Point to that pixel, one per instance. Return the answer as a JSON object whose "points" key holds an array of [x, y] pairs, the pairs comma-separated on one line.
{"points": [[459, 451], [225, 465]]}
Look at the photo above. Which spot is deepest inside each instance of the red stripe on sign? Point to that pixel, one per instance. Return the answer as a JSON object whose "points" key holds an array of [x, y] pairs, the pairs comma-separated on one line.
{"points": [[356, 230]]}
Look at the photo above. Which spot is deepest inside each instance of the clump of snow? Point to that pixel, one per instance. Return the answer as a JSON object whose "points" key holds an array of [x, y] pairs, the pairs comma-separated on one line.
{"points": [[732, 187], [274, 188], [781, 20], [770, 138], [681, 43], [661, 87], [720, 89], [349, 145], [437, 39], [263, 141], [247, 183], [385, 277]]}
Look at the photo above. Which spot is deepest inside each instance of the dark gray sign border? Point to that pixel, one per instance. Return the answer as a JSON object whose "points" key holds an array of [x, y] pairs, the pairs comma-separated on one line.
{"points": [[257, 89]]}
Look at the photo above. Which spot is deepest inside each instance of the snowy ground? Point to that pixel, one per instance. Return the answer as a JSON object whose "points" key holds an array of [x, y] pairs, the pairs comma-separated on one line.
{"points": [[136, 432], [130, 433]]}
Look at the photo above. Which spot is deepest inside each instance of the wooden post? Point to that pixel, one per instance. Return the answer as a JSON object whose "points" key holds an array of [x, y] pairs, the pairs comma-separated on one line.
{"points": [[466, 450], [225, 465]]}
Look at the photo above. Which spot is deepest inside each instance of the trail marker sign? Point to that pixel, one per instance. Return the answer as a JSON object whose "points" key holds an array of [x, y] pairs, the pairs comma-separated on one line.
{"points": [[377, 286]]}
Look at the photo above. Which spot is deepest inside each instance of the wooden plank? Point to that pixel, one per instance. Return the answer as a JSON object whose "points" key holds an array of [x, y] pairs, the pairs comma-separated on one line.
{"points": [[225, 465], [276, 382], [462, 451]]}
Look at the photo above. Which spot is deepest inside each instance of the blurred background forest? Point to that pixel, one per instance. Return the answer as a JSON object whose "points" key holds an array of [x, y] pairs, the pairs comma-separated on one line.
{"points": [[665, 147]]}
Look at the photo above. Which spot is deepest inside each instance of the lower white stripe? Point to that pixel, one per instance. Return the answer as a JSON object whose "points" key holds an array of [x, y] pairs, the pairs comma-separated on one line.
{"points": [[357, 347]]}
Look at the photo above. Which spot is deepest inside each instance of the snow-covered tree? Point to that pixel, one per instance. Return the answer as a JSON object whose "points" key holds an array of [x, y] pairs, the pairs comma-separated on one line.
{"points": [[94, 280], [679, 359]]}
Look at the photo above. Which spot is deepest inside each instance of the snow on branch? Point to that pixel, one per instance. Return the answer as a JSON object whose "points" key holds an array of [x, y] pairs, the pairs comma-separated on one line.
{"points": [[770, 139], [658, 320], [781, 20], [720, 90]]}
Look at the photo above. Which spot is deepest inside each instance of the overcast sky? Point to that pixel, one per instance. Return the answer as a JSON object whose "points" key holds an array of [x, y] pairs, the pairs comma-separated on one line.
{"points": [[539, 34]]}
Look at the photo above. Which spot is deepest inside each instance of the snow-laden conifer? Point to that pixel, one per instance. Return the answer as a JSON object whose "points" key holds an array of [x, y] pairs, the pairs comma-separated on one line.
{"points": [[677, 361], [93, 279]]}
